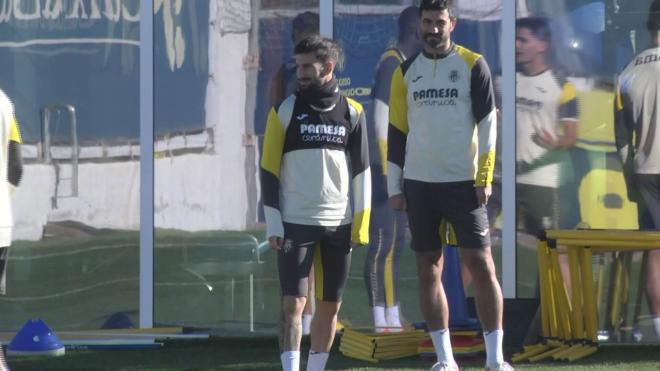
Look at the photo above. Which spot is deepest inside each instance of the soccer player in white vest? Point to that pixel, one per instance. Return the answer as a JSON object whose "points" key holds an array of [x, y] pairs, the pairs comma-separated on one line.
{"points": [[441, 155], [315, 160]]}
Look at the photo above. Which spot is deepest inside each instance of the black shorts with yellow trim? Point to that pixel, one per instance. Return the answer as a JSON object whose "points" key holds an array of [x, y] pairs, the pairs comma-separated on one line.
{"points": [[328, 248], [432, 205]]}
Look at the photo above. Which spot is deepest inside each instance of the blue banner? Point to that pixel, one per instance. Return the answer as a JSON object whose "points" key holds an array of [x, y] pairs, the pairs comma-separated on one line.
{"points": [[86, 53]]}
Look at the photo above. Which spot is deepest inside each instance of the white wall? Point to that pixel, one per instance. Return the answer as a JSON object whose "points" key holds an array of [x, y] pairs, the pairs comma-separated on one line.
{"points": [[191, 193], [225, 111], [31, 202]]}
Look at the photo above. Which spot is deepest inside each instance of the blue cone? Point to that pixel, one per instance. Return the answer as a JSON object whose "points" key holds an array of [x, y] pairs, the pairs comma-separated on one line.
{"points": [[119, 320], [453, 285], [35, 338]]}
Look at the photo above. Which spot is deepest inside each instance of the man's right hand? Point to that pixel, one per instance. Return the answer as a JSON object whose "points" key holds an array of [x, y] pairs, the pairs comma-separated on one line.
{"points": [[275, 242], [398, 202]]}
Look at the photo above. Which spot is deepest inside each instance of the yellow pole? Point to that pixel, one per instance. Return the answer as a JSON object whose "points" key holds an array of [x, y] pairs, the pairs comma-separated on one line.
{"points": [[546, 289], [610, 245], [600, 282], [590, 307], [608, 235], [576, 292], [563, 306], [616, 293]]}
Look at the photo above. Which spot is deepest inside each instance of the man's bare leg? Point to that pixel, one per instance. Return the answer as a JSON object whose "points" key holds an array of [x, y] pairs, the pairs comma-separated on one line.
{"points": [[488, 300], [290, 331], [324, 326], [653, 287], [308, 312], [433, 303]]}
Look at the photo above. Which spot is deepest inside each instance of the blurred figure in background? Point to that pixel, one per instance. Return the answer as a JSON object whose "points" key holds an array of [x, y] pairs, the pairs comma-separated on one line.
{"points": [[388, 226], [284, 82], [637, 128], [547, 119]]}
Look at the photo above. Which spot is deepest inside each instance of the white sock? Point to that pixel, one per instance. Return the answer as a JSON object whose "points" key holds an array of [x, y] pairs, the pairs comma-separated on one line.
{"points": [[392, 316], [656, 323], [379, 317], [307, 324], [442, 344], [290, 360], [494, 354], [317, 360]]}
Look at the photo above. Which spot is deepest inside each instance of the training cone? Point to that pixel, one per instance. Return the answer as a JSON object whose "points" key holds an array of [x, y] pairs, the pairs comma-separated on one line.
{"points": [[119, 320], [35, 338]]}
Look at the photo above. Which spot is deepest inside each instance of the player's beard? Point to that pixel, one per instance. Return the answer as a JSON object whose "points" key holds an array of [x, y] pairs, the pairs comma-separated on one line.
{"points": [[313, 84], [435, 41]]}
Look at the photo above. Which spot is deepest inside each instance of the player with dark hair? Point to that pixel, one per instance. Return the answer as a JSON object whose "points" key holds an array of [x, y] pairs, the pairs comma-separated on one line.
{"points": [[439, 169], [315, 159], [547, 119]]}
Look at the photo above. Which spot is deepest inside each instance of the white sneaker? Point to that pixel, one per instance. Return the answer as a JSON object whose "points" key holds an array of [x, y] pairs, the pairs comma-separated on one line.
{"points": [[444, 366], [501, 367], [3, 363]]}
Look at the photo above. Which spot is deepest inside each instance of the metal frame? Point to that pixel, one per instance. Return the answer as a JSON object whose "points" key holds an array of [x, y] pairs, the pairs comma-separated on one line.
{"points": [[326, 18], [326, 11], [508, 154], [146, 164], [46, 113]]}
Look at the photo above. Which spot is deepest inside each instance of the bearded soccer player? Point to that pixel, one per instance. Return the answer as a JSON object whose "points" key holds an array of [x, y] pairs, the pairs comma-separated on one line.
{"points": [[439, 169], [315, 151]]}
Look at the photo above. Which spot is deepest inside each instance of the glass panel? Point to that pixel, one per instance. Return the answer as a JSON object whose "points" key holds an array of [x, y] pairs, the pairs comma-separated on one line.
{"points": [[71, 69], [369, 33], [220, 66], [569, 56]]}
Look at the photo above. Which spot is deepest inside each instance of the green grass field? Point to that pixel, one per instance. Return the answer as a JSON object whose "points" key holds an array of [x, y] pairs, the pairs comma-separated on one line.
{"points": [[202, 280], [259, 353]]}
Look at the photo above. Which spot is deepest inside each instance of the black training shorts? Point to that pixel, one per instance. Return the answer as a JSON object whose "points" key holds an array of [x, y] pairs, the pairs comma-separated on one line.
{"points": [[430, 203], [329, 248]]}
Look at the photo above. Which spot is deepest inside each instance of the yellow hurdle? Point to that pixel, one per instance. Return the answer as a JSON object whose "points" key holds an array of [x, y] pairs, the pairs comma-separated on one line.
{"points": [[605, 245], [536, 350], [606, 235], [587, 351], [570, 322], [548, 354]]}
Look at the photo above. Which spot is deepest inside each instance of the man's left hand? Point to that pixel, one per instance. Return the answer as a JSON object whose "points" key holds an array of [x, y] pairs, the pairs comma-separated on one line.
{"points": [[544, 139], [483, 194]]}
